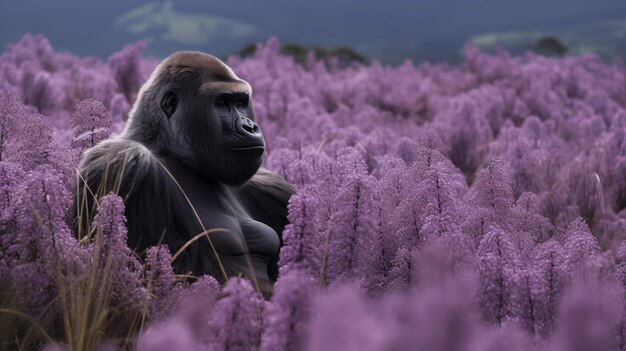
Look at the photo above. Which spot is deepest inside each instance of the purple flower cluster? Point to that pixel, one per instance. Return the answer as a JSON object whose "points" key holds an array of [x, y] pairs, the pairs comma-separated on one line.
{"points": [[476, 207]]}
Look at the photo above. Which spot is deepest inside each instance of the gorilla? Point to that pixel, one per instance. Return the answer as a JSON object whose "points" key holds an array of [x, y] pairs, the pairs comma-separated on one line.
{"points": [[187, 165]]}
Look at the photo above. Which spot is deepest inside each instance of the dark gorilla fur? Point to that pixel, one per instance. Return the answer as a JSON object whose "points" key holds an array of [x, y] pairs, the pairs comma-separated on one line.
{"points": [[190, 140]]}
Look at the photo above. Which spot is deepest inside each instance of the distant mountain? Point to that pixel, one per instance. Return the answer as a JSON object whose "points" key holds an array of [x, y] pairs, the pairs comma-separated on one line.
{"points": [[388, 31]]}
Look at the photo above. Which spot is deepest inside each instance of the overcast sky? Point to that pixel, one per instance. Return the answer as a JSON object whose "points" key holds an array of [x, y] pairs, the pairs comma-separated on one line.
{"points": [[389, 30]]}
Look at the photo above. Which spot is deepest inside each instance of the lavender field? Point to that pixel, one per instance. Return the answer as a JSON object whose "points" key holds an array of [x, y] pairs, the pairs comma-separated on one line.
{"points": [[471, 207]]}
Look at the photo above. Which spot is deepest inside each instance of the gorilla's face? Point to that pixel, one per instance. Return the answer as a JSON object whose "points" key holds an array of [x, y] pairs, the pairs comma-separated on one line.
{"points": [[216, 125], [242, 143]]}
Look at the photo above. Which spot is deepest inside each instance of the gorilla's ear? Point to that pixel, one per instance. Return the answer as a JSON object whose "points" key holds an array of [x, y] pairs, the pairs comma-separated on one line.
{"points": [[169, 103]]}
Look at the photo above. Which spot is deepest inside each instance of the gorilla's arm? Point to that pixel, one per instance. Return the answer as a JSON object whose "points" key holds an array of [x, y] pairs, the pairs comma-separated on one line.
{"points": [[265, 196], [154, 206]]}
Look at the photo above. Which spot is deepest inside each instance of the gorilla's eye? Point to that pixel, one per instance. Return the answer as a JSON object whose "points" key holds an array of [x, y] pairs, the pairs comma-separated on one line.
{"points": [[242, 100], [221, 103]]}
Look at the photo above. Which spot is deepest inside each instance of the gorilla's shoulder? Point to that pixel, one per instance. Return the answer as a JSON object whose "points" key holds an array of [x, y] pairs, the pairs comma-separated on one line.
{"points": [[133, 172], [123, 167], [266, 196], [117, 155]]}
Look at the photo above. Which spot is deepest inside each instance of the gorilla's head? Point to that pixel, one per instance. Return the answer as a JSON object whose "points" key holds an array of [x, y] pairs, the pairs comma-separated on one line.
{"points": [[195, 109]]}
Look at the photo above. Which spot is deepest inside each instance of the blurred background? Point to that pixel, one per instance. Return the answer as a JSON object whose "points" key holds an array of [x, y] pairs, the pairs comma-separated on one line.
{"points": [[389, 31]]}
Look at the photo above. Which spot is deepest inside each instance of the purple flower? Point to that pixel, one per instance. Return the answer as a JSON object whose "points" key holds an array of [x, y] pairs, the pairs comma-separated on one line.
{"points": [[437, 317], [501, 339], [11, 175], [351, 228], [550, 283], [40, 207], [589, 314], [288, 314], [441, 216], [488, 202], [301, 250], [392, 188], [127, 69], [195, 304], [236, 322], [119, 109], [160, 280], [446, 258], [91, 124], [117, 264], [401, 274], [498, 269], [464, 128], [380, 254], [33, 145], [345, 320], [39, 244], [300, 166], [491, 190], [528, 219], [9, 114], [169, 335], [580, 245]]}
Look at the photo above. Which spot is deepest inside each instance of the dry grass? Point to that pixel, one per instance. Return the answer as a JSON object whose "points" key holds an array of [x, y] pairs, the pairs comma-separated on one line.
{"points": [[86, 315]]}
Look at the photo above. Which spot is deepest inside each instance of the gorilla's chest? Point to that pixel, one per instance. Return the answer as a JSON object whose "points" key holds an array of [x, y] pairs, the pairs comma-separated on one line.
{"points": [[231, 230], [237, 234]]}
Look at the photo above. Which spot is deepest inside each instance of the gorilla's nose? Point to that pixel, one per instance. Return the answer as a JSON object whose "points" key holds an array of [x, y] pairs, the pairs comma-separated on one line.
{"points": [[246, 126]]}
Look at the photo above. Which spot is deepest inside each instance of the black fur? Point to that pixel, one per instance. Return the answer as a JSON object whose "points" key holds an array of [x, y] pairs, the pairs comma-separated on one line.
{"points": [[179, 142], [265, 197]]}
